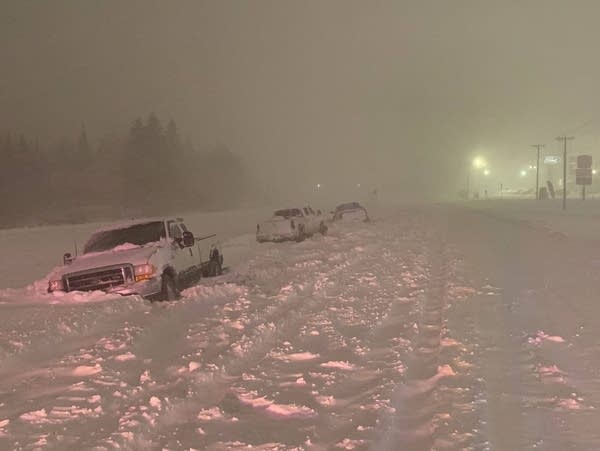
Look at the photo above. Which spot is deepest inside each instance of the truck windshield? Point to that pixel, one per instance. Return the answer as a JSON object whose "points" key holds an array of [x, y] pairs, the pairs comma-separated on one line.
{"points": [[288, 213], [348, 206], [138, 234]]}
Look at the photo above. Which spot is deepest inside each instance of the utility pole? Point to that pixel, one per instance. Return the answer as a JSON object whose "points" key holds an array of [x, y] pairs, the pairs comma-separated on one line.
{"points": [[564, 139], [537, 170]]}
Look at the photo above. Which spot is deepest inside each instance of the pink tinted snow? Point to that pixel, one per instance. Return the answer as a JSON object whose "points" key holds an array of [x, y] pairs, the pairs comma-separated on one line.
{"points": [[155, 402], [278, 411], [344, 366], [211, 414], [551, 374], [36, 417], [542, 336], [145, 377], [125, 357], [325, 401], [193, 366], [94, 399], [204, 291], [3, 424], [235, 325], [297, 357], [350, 444], [449, 342], [421, 386], [444, 371], [86, 370], [569, 404]]}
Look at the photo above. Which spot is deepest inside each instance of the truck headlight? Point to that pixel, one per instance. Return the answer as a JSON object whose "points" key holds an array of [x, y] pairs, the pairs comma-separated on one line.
{"points": [[56, 285], [144, 272]]}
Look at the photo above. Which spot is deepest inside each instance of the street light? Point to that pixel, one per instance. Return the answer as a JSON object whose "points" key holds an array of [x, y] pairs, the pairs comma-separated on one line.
{"points": [[594, 172], [486, 172], [523, 173], [479, 163]]}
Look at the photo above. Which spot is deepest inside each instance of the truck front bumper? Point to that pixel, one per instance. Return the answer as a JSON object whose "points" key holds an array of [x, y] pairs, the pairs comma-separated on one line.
{"points": [[146, 288]]}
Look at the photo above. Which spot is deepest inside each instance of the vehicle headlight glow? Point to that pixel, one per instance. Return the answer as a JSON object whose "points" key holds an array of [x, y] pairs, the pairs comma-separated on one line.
{"points": [[56, 285], [144, 272]]}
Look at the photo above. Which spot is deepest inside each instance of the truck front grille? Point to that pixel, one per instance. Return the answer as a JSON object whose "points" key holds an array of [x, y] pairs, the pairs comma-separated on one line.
{"points": [[99, 278]]}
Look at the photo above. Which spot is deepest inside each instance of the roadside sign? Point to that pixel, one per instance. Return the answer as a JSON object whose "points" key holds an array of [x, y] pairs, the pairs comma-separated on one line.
{"points": [[583, 176], [551, 159], [583, 173], [584, 161]]}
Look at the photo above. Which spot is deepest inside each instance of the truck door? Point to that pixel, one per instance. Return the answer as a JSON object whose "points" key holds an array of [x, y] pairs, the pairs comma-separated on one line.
{"points": [[184, 259], [201, 249]]}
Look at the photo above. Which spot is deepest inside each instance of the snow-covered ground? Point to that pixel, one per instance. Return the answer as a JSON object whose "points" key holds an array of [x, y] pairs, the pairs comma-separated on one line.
{"points": [[579, 220], [432, 327]]}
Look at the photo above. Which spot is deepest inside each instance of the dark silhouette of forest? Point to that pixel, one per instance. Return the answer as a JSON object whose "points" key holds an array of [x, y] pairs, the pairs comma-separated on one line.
{"points": [[150, 171]]}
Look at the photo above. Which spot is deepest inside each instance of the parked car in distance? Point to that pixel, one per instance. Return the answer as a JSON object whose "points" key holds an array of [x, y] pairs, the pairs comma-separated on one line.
{"points": [[153, 258], [291, 224], [351, 211]]}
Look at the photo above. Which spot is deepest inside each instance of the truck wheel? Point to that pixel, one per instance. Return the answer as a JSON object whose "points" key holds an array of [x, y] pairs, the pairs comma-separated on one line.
{"points": [[301, 236], [323, 229], [214, 269], [169, 291]]}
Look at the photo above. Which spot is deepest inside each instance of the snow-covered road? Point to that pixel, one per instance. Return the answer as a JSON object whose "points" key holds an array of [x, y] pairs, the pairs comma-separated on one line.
{"points": [[431, 327]]}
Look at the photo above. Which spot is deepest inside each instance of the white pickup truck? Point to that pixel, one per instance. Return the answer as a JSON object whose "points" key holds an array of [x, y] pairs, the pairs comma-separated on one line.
{"points": [[291, 224], [153, 258]]}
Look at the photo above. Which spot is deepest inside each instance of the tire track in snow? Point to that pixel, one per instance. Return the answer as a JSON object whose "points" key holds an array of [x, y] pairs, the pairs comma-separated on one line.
{"points": [[281, 316], [333, 372], [89, 372], [429, 408]]}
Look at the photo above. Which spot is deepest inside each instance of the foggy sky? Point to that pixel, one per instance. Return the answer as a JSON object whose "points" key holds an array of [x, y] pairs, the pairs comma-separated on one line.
{"points": [[375, 92]]}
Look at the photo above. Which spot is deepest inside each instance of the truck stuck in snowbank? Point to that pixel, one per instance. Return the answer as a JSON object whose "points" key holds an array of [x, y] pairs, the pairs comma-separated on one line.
{"points": [[153, 258], [291, 224]]}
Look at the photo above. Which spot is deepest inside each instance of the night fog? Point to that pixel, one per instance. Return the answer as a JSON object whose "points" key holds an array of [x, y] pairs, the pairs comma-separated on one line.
{"points": [[394, 96]]}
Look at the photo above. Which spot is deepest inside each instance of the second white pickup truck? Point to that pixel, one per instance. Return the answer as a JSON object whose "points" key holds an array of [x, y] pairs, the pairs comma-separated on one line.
{"points": [[291, 224], [153, 258]]}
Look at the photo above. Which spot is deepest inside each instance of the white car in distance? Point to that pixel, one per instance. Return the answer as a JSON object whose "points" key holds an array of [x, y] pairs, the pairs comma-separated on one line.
{"points": [[291, 224]]}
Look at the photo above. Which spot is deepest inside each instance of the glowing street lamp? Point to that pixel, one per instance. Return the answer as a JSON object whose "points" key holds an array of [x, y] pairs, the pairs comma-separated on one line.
{"points": [[594, 172], [486, 172], [523, 173], [479, 163]]}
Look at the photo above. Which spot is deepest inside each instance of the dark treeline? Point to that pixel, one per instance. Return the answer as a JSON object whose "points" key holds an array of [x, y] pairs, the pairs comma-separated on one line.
{"points": [[151, 171]]}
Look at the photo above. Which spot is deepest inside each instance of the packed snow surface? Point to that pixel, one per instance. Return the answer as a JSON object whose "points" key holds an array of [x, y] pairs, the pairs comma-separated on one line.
{"points": [[431, 327]]}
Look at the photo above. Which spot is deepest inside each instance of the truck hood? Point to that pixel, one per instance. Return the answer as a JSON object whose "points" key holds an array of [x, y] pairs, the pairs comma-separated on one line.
{"points": [[135, 256]]}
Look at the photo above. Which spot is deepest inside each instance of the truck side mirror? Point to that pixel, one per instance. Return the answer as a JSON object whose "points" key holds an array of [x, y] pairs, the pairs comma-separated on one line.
{"points": [[188, 239], [67, 259]]}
